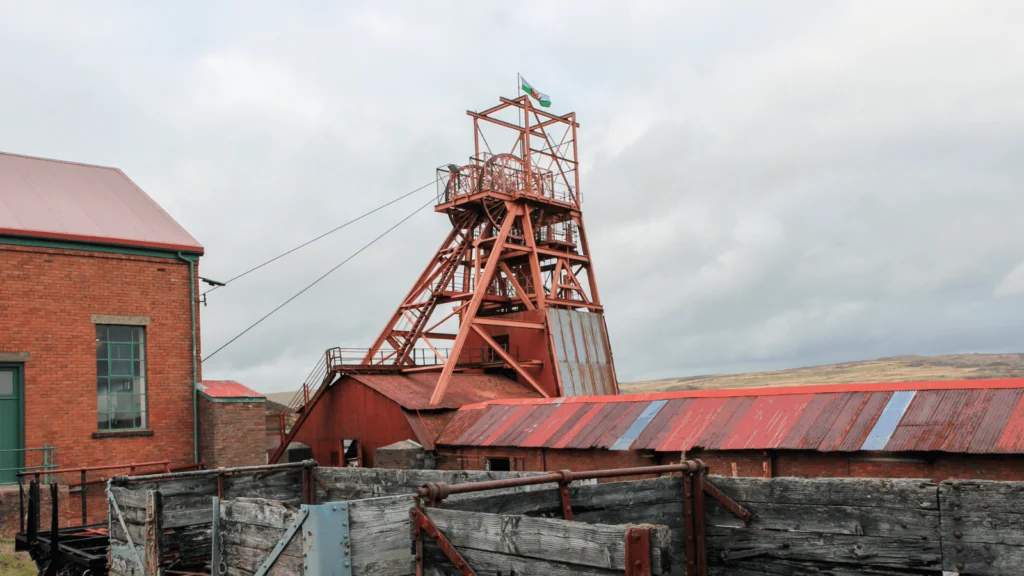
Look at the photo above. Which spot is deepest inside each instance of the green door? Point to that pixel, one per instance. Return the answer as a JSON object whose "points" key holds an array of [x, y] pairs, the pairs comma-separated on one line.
{"points": [[11, 439]]}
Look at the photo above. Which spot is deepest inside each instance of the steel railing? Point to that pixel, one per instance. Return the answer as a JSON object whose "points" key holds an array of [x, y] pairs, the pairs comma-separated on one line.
{"points": [[47, 461]]}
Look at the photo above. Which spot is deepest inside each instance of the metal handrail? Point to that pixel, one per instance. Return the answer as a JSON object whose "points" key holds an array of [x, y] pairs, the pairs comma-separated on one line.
{"points": [[48, 458]]}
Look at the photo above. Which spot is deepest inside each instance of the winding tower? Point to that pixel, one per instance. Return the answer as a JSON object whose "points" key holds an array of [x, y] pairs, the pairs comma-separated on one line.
{"points": [[511, 291]]}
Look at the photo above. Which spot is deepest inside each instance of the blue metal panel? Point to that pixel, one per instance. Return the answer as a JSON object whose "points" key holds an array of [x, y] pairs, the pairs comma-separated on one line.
{"points": [[887, 422], [638, 426], [326, 544]]}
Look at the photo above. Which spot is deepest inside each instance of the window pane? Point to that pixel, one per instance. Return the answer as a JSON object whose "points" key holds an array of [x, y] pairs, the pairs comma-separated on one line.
{"points": [[121, 386], [101, 368], [119, 333], [102, 421], [122, 420], [101, 350], [121, 368], [101, 394], [120, 351], [101, 332], [137, 334], [6, 383]]}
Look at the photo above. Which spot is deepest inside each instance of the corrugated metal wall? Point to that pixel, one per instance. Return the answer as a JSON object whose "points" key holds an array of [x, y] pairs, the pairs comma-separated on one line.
{"points": [[582, 351]]}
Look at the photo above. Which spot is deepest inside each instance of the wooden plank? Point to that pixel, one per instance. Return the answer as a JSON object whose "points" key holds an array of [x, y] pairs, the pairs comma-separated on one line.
{"points": [[593, 545], [771, 545], [982, 526], [381, 535], [484, 562], [863, 492], [122, 560], [247, 560], [128, 498], [362, 483], [1006, 497], [258, 512]]}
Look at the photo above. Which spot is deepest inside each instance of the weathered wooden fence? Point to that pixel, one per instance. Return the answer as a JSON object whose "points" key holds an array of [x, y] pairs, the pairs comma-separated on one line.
{"points": [[501, 544], [830, 526], [177, 528], [799, 526], [182, 518]]}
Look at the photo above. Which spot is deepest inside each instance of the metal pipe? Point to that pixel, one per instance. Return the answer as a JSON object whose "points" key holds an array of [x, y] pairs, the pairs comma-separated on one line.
{"points": [[439, 491], [214, 472], [195, 367]]}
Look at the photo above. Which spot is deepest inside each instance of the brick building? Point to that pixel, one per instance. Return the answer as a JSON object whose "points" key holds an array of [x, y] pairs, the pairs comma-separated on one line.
{"points": [[937, 430], [232, 423], [99, 330]]}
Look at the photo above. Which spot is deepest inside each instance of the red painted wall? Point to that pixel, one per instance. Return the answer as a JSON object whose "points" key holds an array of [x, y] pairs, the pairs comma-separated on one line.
{"points": [[47, 298], [353, 411]]}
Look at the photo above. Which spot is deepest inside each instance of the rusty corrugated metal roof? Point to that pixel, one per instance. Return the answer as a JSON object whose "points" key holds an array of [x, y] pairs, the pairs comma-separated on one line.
{"points": [[978, 416], [229, 389], [52, 199], [412, 391]]}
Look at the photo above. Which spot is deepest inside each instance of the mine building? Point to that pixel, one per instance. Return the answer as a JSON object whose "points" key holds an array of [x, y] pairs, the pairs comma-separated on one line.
{"points": [[937, 430], [99, 330], [508, 306]]}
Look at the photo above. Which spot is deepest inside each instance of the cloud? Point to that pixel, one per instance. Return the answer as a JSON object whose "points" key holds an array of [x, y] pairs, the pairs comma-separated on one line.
{"points": [[764, 186]]}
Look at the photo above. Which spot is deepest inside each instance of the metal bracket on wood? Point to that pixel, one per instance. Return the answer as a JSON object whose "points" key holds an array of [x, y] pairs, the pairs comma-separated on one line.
{"points": [[271, 559], [638, 551], [422, 523], [694, 522], [729, 504], [326, 540], [127, 535], [215, 545], [563, 492]]}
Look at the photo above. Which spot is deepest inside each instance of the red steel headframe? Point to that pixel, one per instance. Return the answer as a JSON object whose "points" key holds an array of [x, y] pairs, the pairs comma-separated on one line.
{"points": [[517, 248]]}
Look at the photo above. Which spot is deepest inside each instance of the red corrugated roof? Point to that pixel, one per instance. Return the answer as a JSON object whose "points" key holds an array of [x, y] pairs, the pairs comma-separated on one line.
{"points": [[412, 391], [978, 416], [58, 200], [228, 389]]}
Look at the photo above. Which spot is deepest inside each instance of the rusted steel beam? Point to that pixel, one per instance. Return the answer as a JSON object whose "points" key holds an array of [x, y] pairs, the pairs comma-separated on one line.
{"points": [[423, 523], [729, 504], [638, 551], [700, 523], [563, 493], [689, 532]]}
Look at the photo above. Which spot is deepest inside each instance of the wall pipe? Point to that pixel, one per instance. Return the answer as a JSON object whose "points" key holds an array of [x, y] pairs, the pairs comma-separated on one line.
{"points": [[195, 367]]}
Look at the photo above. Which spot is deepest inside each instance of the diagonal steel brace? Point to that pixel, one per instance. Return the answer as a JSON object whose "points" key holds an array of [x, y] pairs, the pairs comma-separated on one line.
{"points": [[422, 522], [729, 504]]}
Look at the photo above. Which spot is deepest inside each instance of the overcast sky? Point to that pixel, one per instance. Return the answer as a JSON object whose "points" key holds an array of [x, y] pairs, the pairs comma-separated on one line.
{"points": [[766, 184]]}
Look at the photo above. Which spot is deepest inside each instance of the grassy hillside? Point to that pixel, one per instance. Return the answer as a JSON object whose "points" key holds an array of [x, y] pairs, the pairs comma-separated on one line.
{"points": [[895, 369]]}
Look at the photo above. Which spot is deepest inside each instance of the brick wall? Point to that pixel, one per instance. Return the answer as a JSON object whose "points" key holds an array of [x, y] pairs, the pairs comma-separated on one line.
{"points": [[755, 463], [47, 299], [232, 433]]}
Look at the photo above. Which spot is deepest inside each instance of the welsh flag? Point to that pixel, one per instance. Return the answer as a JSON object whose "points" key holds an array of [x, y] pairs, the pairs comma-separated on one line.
{"points": [[541, 97]]}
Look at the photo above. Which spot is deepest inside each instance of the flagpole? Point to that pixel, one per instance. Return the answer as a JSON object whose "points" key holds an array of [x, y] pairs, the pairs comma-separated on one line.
{"points": [[519, 90]]}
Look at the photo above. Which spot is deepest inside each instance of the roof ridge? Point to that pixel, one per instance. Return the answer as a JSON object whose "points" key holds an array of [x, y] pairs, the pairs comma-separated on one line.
{"points": [[55, 160], [969, 384]]}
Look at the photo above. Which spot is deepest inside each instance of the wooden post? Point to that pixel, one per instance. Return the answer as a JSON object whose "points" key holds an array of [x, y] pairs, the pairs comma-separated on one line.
{"points": [[153, 533]]}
